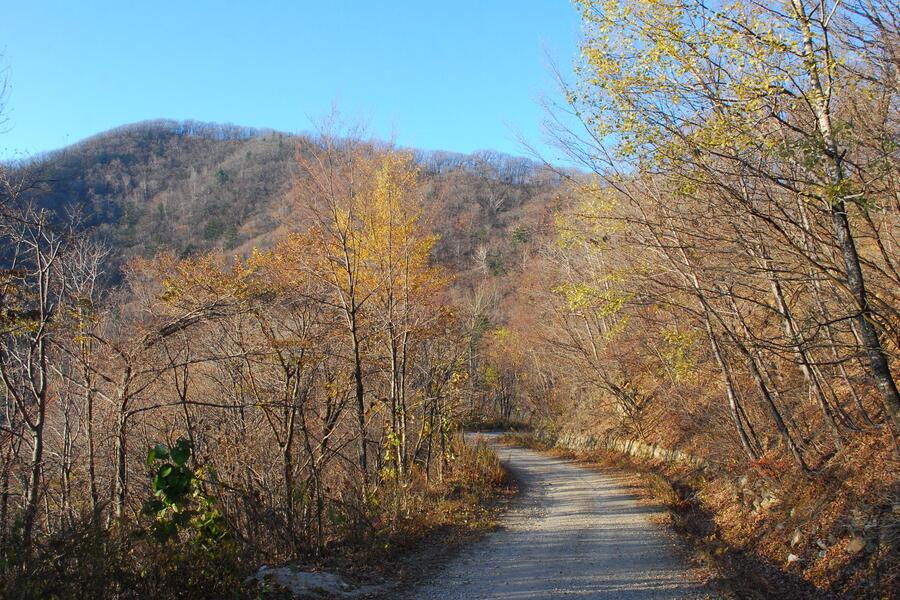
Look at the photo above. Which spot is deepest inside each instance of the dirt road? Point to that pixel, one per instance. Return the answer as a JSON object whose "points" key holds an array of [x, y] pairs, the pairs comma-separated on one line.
{"points": [[572, 532]]}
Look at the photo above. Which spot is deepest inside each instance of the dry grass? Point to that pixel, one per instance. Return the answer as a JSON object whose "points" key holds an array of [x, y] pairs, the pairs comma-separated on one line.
{"points": [[125, 562]]}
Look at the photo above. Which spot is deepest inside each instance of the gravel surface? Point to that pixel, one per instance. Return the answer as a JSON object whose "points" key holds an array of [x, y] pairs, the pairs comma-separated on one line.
{"points": [[572, 532]]}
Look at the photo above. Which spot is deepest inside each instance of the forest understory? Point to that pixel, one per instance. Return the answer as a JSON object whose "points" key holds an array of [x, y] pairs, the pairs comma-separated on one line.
{"points": [[406, 536]]}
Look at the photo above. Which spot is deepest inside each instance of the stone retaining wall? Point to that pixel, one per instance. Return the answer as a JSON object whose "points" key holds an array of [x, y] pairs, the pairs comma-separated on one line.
{"points": [[612, 443]]}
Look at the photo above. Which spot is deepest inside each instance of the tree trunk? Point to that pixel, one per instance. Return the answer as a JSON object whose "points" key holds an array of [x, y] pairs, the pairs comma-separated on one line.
{"points": [[32, 490], [809, 373], [360, 403], [121, 486], [734, 408]]}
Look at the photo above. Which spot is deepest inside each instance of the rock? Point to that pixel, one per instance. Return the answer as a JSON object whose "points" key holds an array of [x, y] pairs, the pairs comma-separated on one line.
{"points": [[822, 553], [796, 538], [312, 584], [768, 502], [779, 525], [821, 544], [792, 558], [856, 545]]}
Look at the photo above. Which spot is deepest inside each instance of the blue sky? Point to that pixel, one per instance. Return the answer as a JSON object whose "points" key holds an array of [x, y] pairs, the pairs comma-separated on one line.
{"points": [[459, 75]]}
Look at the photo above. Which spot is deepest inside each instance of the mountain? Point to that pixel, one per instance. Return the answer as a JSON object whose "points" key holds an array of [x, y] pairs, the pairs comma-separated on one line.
{"points": [[192, 187]]}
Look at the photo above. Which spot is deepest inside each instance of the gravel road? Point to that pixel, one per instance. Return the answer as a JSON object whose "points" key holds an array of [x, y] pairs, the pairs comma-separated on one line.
{"points": [[572, 532]]}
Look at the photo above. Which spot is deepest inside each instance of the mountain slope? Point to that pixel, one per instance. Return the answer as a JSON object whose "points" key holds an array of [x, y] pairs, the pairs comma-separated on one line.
{"points": [[187, 187]]}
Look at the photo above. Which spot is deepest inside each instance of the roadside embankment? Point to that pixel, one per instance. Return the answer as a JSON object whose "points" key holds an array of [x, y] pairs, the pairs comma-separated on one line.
{"points": [[767, 531]]}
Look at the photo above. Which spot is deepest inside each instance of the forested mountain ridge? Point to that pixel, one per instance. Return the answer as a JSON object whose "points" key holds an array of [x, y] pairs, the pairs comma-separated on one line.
{"points": [[188, 187]]}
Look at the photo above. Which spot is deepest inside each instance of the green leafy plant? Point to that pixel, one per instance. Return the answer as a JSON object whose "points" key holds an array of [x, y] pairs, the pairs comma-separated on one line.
{"points": [[179, 503], [521, 235]]}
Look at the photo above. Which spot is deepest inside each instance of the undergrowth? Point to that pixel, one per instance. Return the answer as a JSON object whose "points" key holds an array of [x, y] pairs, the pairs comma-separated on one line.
{"points": [[166, 551]]}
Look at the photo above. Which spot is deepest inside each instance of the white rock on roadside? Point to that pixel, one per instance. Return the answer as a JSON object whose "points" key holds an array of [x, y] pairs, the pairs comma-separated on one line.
{"points": [[856, 545], [312, 584]]}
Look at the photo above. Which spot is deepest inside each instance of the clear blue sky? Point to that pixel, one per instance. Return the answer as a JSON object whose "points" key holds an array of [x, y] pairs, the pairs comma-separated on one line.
{"points": [[458, 75]]}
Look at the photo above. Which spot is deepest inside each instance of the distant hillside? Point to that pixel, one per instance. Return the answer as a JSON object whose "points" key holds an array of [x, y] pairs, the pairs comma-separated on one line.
{"points": [[190, 187]]}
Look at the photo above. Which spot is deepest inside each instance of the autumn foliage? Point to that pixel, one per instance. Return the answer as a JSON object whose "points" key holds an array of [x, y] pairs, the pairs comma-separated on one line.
{"points": [[298, 403]]}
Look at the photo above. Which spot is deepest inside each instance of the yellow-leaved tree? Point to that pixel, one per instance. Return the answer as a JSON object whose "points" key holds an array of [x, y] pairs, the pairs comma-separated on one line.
{"points": [[369, 248], [396, 250], [775, 116]]}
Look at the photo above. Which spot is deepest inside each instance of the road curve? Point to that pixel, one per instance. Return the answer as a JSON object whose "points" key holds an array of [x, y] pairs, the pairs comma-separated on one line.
{"points": [[572, 532]]}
